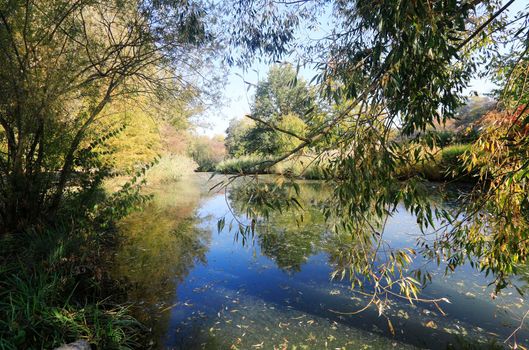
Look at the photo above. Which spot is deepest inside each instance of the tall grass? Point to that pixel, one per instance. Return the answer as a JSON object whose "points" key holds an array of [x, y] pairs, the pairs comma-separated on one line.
{"points": [[243, 164], [301, 166], [170, 168], [445, 165], [53, 290]]}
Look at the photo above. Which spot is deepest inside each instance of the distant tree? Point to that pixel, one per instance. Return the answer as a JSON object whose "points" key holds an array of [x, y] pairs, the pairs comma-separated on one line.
{"points": [[207, 151], [282, 102], [282, 93], [264, 140], [470, 113], [235, 141]]}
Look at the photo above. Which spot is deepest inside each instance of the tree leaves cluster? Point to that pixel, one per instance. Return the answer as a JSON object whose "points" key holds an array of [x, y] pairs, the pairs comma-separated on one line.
{"points": [[62, 64], [282, 102], [394, 70]]}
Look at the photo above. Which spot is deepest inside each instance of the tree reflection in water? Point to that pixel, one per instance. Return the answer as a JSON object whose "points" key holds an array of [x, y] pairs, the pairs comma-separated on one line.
{"points": [[161, 244], [198, 287]]}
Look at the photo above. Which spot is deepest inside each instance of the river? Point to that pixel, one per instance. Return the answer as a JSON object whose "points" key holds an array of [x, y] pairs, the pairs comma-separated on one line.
{"points": [[198, 288]]}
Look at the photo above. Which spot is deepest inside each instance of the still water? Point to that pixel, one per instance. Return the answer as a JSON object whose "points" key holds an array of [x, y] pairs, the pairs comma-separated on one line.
{"points": [[198, 288]]}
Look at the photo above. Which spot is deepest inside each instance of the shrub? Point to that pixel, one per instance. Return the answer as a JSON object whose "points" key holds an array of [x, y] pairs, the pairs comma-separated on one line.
{"points": [[451, 155], [444, 137], [446, 165]]}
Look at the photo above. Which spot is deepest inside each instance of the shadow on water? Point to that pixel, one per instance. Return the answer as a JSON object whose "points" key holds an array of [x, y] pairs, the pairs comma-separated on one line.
{"points": [[200, 289]]}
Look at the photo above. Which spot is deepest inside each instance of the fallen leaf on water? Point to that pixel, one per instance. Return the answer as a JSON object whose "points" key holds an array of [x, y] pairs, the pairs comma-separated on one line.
{"points": [[403, 314], [391, 328], [298, 318], [431, 324]]}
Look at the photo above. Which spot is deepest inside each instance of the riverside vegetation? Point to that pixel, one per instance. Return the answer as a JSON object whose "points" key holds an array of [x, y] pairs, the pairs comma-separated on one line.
{"points": [[282, 100]]}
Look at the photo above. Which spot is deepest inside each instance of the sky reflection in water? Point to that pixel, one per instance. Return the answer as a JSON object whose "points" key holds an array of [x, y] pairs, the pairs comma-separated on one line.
{"points": [[200, 289]]}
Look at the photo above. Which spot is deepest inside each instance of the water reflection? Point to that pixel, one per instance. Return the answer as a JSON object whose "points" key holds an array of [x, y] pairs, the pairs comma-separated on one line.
{"points": [[204, 290], [161, 244]]}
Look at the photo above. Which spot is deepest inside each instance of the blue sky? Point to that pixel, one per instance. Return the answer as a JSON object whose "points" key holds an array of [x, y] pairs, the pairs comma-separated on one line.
{"points": [[238, 93]]}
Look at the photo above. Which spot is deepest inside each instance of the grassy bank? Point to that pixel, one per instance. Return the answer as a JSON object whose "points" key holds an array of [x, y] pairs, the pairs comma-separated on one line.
{"points": [[300, 167], [445, 165], [54, 290], [54, 281], [170, 168]]}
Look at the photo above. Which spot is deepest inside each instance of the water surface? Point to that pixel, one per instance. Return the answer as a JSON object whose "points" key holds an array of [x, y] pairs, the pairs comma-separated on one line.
{"points": [[203, 289]]}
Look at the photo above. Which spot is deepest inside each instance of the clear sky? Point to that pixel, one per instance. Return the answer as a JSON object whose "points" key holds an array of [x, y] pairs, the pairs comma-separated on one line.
{"points": [[239, 87]]}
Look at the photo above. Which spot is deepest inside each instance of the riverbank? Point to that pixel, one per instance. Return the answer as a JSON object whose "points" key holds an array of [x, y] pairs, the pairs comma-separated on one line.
{"points": [[445, 165], [54, 289], [55, 282]]}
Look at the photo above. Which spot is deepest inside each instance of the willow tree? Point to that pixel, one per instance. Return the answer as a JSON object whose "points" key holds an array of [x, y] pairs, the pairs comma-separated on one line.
{"points": [[397, 69], [61, 64]]}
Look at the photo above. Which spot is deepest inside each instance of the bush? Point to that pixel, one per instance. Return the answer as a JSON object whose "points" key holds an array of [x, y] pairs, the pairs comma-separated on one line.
{"points": [[446, 165], [444, 137], [207, 152], [451, 155]]}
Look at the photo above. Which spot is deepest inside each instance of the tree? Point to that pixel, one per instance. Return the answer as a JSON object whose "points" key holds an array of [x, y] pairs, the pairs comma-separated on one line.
{"points": [[61, 65], [235, 133], [207, 151], [399, 68], [281, 102], [281, 93]]}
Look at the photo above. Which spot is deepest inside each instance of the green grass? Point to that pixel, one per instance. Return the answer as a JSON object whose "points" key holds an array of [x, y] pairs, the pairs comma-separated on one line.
{"points": [[300, 167], [446, 165], [450, 155], [243, 164], [53, 291]]}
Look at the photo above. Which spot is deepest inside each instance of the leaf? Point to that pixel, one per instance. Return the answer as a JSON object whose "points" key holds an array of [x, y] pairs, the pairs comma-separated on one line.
{"points": [[220, 224], [390, 326]]}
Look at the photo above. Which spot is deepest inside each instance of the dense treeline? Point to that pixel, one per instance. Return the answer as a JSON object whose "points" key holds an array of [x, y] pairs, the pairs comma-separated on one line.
{"points": [[284, 109]]}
